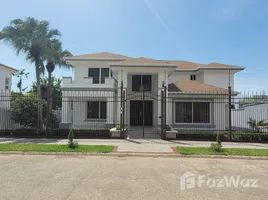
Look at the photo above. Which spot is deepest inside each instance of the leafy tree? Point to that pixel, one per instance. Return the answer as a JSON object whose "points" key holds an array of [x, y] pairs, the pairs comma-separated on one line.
{"points": [[56, 90], [25, 110], [30, 36], [54, 57], [20, 74]]}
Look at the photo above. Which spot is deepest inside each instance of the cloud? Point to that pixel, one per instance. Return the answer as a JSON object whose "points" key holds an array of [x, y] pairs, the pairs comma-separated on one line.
{"points": [[233, 8], [156, 14]]}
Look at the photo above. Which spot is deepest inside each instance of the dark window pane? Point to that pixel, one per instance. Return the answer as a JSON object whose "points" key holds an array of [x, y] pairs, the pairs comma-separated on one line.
{"points": [[136, 82], [93, 110], [147, 82], [103, 110], [183, 112], [96, 80], [193, 77], [95, 74], [201, 112], [105, 72]]}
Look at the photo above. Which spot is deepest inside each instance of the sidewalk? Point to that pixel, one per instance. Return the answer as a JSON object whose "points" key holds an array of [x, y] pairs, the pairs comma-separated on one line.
{"points": [[137, 145]]}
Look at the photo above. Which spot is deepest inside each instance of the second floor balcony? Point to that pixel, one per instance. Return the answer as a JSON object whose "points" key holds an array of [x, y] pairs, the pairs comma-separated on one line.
{"points": [[89, 82]]}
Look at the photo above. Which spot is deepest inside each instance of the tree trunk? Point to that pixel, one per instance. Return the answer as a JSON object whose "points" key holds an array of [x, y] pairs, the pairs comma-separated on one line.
{"points": [[38, 88], [49, 103]]}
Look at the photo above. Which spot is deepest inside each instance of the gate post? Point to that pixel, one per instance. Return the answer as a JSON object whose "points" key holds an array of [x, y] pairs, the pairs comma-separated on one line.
{"points": [[162, 117], [121, 112], [123, 115], [230, 112], [163, 113]]}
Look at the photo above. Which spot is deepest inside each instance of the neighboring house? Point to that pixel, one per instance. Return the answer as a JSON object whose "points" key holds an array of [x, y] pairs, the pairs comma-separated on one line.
{"points": [[5, 84], [5, 96], [92, 99], [257, 111], [6, 77]]}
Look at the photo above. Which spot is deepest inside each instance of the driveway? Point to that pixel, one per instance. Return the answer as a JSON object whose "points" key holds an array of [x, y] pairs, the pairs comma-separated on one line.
{"points": [[34, 177]]}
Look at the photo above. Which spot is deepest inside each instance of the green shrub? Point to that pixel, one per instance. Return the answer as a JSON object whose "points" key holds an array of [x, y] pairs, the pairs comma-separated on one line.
{"points": [[117, 127], [168, 127], [71, 143], [25, 110], [217, 146]]}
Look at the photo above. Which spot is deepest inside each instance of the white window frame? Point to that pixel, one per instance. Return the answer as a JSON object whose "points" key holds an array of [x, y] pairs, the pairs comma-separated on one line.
{"points": [[7, 85], [192, 101], [100, 74]]}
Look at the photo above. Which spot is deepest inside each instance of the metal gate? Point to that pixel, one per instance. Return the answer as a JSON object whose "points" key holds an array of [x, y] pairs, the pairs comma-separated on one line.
{"points": [[140, 114]]}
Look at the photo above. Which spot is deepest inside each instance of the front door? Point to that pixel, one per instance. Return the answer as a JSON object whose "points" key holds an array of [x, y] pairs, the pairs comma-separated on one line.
{"points": [[141, 113]]}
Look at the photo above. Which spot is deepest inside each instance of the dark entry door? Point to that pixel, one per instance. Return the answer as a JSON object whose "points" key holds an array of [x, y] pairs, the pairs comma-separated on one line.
{"points": [[141, 112]]}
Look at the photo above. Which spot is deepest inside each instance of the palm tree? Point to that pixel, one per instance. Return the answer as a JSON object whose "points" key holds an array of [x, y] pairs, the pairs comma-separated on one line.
{"points": [[30, 36], [54, 56]]}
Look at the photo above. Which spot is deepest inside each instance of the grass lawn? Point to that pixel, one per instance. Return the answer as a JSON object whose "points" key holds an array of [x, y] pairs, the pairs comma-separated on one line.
{"points": [[55, 148], [226, 151]]}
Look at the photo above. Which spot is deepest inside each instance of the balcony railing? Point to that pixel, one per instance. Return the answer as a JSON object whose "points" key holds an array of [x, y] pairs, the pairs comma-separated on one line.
{"points": [[89, 82]]}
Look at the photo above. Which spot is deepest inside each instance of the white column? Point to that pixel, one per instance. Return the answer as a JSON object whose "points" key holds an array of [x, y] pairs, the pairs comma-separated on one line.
{"points": [[65, 110], [160, 80], [110, 110], [168, 102]]}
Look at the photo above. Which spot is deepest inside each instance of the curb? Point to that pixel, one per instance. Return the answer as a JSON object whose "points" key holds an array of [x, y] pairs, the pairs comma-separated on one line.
{"points": [[132, 154]]}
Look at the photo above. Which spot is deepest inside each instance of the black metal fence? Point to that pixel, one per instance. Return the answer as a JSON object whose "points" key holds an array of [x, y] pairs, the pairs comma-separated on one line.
{"points": [[159, 114]]}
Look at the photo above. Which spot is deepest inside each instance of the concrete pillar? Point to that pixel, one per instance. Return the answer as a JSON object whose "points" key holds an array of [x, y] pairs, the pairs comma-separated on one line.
{"points": [[160, 81], [65, 110], [110, 110]]}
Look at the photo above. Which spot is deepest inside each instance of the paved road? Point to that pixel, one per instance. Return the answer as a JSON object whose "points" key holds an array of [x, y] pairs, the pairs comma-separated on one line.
{"points": [[35, 177]]}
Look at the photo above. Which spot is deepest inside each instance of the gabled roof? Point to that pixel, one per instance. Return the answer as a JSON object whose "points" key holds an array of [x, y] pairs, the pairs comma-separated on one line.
{"points": [[189, 86], [142, 61], [98, 56], [10, 68]]}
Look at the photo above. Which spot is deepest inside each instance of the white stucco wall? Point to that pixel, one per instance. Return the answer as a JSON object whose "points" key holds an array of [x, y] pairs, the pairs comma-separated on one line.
{"points": [[5, 72], [177, 76], [240, 117], [218, 78], [5, 94]]}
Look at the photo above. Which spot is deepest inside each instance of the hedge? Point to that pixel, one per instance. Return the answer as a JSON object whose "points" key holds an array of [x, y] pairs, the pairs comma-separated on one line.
{"points": [[56, 133]]}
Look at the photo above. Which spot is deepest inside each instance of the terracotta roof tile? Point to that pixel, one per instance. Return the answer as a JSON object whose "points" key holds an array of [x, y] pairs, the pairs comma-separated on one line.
{"points": [[101, 55], [180, 64], [188, 86], [144, 61]]}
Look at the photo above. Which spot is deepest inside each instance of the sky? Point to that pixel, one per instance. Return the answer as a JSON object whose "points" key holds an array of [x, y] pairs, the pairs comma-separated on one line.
{"points": [[203, 31]]}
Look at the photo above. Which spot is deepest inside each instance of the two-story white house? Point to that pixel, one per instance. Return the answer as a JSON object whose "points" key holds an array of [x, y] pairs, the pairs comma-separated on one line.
{"points": [[92, 99]]}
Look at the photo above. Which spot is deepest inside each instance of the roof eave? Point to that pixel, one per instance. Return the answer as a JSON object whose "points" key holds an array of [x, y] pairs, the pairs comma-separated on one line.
{"points": [[10, 68], [209, 68], [142, 65], [93, 59]]}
